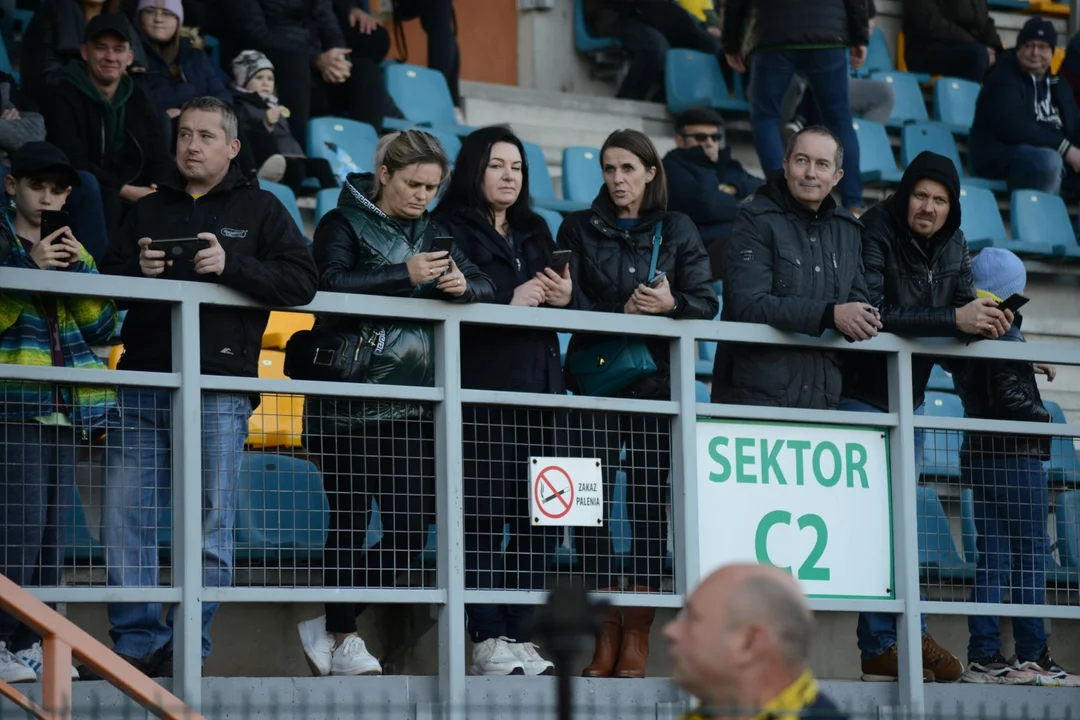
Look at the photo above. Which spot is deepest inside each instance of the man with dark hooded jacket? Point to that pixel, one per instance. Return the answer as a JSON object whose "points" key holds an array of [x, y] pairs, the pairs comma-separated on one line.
{"points": [[918, 276], [1027, 125], [254, 247], [793, 262]]}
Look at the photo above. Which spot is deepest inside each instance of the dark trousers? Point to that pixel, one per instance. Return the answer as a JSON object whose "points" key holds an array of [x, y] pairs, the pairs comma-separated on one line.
{"points": [[393, 463], [88, 216], [969, 61], [647, 439], [298, 169], [437, 19], [498, 442]]}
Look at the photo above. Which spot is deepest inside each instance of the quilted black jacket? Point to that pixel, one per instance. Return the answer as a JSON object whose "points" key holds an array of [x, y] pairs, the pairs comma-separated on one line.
{"points": [[936, 23], [609, 263], [285, 26], [752, 24]]}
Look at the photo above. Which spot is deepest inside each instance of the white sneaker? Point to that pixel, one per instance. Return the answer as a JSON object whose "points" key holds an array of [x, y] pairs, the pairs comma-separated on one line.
{"points": [[494, 657], [318, 645], [13, 670], [273, 169], [351, 657], [34, 658], [533, 663]]}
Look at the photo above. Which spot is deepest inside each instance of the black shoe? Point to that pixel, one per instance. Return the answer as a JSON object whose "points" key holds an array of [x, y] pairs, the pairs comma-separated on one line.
{"points": [[146, 667]]}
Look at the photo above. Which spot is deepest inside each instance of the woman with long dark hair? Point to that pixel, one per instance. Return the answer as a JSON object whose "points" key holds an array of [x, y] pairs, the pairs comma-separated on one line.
{"points": [[632, 256], [486, 209]]}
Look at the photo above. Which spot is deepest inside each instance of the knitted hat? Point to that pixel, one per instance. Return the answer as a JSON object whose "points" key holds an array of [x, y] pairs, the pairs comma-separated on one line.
{"points": [[1037, 28], [998, 271], [247, 64], [174, 6]]}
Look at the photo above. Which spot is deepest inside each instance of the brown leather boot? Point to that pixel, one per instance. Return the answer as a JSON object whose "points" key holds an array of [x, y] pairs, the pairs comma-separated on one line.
{"points": [[637, 621], [607, 643]]}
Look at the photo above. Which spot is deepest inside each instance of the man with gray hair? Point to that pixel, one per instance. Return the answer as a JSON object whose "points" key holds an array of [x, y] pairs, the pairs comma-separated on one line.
{"points": [[742, 643], [237, 236]]}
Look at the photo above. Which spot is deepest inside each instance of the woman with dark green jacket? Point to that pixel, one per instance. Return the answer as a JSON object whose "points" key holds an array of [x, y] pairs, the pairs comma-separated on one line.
{"points": [[378, 241]]}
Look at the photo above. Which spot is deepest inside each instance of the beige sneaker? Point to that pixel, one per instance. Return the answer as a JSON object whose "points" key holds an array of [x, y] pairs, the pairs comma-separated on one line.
{"points": [[273, 169]]}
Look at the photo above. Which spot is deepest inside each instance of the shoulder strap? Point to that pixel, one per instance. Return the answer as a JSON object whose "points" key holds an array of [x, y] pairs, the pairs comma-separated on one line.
{"points": [[657, 239]]}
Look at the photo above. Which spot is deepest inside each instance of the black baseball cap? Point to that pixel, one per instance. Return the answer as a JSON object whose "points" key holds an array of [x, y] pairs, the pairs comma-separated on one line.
{"points": [[114, 23], [38, 157]]}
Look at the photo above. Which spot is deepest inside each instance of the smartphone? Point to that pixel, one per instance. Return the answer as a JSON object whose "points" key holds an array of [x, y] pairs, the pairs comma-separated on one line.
{"points": [[657, 279], [1014, 302], [442, 243], [180, 248], [559, 260], [53, 220]]}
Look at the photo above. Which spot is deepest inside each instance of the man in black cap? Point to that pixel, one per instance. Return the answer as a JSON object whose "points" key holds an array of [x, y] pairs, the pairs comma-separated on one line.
{"points": [[107, 125], [918, 276], [1027, 125]]}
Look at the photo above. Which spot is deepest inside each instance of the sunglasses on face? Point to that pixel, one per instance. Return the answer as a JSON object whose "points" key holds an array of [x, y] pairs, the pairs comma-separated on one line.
{"points": [[702, 137]]}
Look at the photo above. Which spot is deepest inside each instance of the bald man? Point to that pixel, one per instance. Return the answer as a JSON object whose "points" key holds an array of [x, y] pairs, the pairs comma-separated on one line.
{"points": [[742, 641]]}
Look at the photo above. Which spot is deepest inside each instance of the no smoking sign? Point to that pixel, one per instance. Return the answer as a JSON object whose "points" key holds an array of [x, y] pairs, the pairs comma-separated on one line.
{"points": [[566, 492]]}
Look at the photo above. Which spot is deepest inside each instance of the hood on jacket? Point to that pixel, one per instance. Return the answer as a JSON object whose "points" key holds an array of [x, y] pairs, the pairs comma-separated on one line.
{"points": [[775, 188], [115, 110], [355, 193], [929, 165]]}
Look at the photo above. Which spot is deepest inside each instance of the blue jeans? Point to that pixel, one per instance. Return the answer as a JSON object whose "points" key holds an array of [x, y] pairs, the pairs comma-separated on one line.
{"points": [[1011, 507], [877, 631], [138, 491], [88, 216], [1036, 168], [37, 485], [827, 72]]}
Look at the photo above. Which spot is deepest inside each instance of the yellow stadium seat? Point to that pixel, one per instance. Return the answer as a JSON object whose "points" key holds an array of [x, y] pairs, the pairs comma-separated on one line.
{"points": [[279, 419], [281, 327], [114, 356], [1053, 9], [1059, 57]]}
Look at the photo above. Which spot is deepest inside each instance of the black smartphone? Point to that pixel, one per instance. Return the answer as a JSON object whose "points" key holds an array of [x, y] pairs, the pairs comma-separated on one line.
{"points": [[180, 248], [657, 279], [442, 243], [1014, 302], [559, 260], [53, 220]]}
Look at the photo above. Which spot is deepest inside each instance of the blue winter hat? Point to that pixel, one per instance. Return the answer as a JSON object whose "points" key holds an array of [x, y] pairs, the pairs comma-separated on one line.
{"points": [[999, 271]]}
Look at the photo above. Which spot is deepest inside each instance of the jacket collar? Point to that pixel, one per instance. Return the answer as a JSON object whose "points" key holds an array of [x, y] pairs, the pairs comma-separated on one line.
{"points": [[233, 179], [486, 234], [775, 189], [605, 209]]}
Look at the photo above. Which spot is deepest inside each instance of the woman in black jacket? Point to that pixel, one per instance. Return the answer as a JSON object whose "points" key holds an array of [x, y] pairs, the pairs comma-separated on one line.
{"points": [[613, 245], [486, 209], [378, 241]]}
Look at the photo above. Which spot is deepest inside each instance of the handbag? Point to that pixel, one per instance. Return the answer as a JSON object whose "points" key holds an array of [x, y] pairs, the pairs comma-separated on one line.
{"points": [[333, 356], [605, 368]]}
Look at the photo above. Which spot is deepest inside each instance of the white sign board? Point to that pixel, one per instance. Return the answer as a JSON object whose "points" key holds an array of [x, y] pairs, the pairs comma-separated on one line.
{"points": [[566, 491], [813, 500]]}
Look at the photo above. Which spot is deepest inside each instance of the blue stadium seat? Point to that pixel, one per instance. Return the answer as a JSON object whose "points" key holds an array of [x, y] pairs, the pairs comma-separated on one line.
{"points": [[876, 161], [909, 106], [982, 225], [1064, 465], [287, 198], [281, 508], [701, 392], [937, 551], [564, 344], [541, 187], [941, 448], [703, 366], [423, 97], [212, 47], [940, 380], [553, 219], [451, 143], [693, 79], [584, 39], [878, 58], [325, 201], [582, 176], [5, 59], [954, 103], [1039, 218], [936, 137], [325, 135]]}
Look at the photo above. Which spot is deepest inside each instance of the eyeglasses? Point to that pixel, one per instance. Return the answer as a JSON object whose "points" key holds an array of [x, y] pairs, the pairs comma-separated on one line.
{"points": [[702, 137]]}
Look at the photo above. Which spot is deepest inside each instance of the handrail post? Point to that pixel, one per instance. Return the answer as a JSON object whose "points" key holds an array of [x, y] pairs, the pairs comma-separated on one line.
{"points": [[56, 677], [684, 482], [450, 549], [187, 483], [905, 532]]}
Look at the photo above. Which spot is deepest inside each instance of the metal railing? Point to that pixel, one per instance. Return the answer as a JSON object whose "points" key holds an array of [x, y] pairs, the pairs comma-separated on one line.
{"points": [[449, 594]]}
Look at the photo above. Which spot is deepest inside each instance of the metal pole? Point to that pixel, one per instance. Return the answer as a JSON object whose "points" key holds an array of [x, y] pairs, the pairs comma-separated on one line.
{"points": [[684, 488], [1074, 18]]}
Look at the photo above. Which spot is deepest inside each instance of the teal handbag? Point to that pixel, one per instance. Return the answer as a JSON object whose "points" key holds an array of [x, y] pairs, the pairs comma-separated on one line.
{"points": [[608, 367]]}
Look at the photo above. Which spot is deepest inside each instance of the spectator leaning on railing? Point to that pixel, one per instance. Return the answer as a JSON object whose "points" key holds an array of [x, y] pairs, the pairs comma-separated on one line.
{"points": [[250, 244], [42, 425]]}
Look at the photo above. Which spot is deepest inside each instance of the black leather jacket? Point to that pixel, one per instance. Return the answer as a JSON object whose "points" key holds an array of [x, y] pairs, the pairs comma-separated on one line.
{"points": [[609, 262], [1002, 390]]}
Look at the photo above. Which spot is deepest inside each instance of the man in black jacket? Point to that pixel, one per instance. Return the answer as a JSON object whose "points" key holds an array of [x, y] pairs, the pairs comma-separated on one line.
{"points": [[1027, 125], [950, 37], [105, 123], [778, 38], [704, 181], [793, 262], [919, 278], [253, 247]]}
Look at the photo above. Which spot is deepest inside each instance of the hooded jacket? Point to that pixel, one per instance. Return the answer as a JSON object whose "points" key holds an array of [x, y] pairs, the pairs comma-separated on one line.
{"points": [[934, 23], [915, 283], [266, 258], [609, 262], [694, 188], [787, 267], [360, 249], [195, 75], [251, 110], [1016, 109], [750, 25], [120, 142]]}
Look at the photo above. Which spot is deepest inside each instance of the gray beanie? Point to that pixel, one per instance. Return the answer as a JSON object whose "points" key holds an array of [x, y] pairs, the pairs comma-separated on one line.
{"points": [[247, 64], [999, 271]]}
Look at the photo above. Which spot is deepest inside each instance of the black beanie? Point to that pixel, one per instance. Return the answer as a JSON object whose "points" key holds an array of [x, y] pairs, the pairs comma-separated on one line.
{"points": [[1037, 28]]}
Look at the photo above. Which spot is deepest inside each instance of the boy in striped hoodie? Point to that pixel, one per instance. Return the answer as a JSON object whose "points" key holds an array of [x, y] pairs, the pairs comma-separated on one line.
{"points": [[42, 425]]}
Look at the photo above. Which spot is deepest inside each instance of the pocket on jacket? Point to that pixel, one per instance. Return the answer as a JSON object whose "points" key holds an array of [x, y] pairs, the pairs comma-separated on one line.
{"points": [[788, 271]]}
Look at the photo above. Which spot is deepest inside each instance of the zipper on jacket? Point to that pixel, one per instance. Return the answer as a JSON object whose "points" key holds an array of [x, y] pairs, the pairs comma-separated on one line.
{"points": [[836, 276]]}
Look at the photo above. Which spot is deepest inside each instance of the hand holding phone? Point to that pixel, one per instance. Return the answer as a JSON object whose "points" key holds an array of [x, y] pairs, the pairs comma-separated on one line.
{"points": [[559, 260], [180, 248], [656, 280], [1013, 303], [53, 220], [443, 243]]}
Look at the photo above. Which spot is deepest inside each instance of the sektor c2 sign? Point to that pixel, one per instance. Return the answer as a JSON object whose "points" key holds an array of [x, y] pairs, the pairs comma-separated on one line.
{"points": [[811, 499]]}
